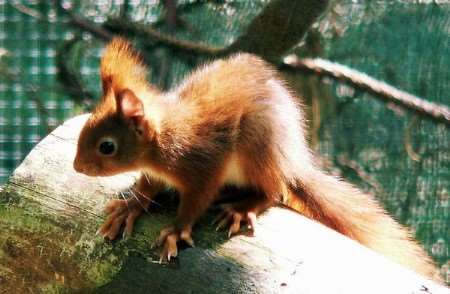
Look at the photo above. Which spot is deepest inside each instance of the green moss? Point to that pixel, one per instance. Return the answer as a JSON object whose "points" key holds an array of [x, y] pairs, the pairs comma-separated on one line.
{"points": [[103, 272], [41, 249], [41, 254], [55, 288]]}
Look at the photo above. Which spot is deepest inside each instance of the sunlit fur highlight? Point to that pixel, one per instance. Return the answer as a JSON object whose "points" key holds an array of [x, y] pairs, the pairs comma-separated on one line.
{"points": [[121, 66]]}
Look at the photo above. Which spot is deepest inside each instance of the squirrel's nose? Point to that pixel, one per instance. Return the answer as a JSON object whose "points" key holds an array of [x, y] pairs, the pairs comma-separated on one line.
{"points": [[77, 166]]}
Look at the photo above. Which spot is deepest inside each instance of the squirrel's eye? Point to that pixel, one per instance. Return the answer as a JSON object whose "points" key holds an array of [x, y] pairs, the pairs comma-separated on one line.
{"points": [[107, 146]]}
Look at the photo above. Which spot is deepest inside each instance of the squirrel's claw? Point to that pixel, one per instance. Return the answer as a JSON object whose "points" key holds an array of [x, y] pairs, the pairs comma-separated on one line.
{"points": [[226, 218], [233, 220], [236, 225], [168, 239]]}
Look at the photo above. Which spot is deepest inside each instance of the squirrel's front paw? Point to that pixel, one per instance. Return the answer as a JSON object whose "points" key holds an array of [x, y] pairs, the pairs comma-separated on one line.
{"points": [[168, 238], [120, 212]]}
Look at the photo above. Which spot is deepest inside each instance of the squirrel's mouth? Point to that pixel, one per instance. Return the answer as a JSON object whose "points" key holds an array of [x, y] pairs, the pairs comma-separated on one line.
{"points": [[87, 169], [94, 171]]}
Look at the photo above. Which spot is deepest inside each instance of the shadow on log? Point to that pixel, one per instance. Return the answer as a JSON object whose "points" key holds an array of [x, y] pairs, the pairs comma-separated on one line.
{"points": [[49, 215]]}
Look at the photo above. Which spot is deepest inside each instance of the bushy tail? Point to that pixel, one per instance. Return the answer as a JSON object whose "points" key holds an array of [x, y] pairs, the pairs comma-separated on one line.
{"points": [[344, 208]]}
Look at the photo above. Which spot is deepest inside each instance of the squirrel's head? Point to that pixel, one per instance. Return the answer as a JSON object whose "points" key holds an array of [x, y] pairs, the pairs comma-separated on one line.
{"points": [[117, 134]]}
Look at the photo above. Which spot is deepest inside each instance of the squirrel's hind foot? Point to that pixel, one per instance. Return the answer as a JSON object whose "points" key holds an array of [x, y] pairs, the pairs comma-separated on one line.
{"points": [[168, 239], [232, 219]]}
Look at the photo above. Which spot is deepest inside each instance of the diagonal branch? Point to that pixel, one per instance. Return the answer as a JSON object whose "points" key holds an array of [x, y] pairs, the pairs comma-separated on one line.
{"points": [[27, 11], [279, 27], [120, 26], [364, 82], [68, 78], [124, 26]]}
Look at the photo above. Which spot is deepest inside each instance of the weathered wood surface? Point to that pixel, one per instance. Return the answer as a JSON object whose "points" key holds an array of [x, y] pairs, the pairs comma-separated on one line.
{"points": [[49, 215]]}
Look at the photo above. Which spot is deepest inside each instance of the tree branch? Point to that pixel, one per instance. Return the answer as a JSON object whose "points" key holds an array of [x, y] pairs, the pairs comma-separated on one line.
{"points": [[279, 27], [120, 26], [71, 82], [364, 82], [28, 11], [263, 36], [171, 13]]}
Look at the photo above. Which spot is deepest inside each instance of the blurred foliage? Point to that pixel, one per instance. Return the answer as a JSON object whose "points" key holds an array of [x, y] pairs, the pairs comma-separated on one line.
{"points": [[382, 148]]}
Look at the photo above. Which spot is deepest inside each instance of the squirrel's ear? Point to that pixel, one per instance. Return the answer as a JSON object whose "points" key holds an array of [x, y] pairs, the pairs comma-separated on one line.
{"points": [[121, 67], [130, 108]]}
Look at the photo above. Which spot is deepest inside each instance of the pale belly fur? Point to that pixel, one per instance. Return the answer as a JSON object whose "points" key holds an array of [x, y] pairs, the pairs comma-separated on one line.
{"points": [[233, 174]]}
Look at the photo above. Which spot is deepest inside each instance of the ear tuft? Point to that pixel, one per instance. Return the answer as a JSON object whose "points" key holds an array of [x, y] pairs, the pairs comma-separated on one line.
{"points": [[121, 66]]}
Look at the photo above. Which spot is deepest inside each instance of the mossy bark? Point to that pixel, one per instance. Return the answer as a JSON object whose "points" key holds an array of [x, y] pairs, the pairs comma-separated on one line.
{"points": [[49, 215]]}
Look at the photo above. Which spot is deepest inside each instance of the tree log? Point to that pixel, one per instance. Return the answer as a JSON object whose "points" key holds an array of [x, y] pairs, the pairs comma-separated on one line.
{"points": [[49, 215]]}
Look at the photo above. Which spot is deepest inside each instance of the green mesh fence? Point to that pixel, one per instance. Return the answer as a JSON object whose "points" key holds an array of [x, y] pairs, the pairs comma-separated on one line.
{"points": [[407, 46], [403, 160], [29, 104]]}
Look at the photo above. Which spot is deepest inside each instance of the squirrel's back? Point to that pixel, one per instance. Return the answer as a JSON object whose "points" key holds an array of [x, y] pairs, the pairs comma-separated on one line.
{"points": [[246, 85]]}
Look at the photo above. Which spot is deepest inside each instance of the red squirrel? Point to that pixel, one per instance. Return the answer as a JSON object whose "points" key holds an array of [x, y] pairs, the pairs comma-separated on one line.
{"points": [[231, 122]]}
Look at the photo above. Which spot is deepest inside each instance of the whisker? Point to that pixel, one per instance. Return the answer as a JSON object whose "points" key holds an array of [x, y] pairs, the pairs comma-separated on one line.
{"points": [[126, 201], [146, 177], [140, 194], [137, 198], [146, 197]]}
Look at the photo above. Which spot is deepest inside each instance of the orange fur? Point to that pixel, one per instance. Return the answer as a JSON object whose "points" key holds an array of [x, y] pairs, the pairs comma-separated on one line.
{"points": [[230, 122], [121, 66]]}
